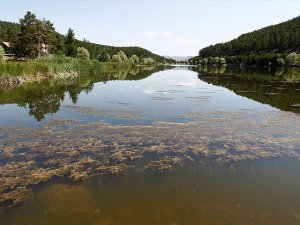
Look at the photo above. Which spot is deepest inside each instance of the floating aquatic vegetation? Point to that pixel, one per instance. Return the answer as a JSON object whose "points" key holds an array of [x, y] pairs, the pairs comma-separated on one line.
{"points": [[206, 92], [120, 113], [170, 91], [79, 151], [198, 99], [164, 164], [120, 103], [160, 98]]}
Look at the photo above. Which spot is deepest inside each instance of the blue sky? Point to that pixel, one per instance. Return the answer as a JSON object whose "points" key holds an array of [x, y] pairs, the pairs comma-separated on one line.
{"points": [[177, 28]]}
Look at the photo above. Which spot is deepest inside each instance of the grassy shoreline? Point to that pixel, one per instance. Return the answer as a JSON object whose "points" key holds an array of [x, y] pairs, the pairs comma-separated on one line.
{"points": [[54, 67]]}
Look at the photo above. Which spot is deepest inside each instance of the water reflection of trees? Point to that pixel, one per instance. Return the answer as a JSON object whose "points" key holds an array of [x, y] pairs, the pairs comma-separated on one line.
{"points": [[45, 98], [290, 74], [272, 86]]}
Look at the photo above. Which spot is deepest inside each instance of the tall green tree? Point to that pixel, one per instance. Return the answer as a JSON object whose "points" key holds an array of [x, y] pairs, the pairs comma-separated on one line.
{"points": [[45, 36], [27, 40], [35, 36], [12, 33], [70, 43], [59, 44]]}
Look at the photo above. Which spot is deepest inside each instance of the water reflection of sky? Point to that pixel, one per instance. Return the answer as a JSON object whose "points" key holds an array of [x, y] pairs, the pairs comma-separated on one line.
{"points": [[159, 96], [231, 192]]}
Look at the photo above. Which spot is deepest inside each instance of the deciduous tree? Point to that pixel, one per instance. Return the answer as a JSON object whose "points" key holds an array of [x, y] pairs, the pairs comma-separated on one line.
{"points": [[83, 53]]}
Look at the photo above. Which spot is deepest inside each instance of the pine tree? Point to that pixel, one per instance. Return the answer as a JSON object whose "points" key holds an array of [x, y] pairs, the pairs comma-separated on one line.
{"points": [[70, 43]]}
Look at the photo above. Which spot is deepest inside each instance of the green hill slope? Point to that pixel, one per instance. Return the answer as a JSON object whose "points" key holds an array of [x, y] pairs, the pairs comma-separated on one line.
{"points": [[280, 38], [93, 48]]}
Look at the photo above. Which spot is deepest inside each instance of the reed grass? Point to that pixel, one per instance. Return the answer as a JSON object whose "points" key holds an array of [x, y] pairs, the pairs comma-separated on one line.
{"points": [[51, 65]]}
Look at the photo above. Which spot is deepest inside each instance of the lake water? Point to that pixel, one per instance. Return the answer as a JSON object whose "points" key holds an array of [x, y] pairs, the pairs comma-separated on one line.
{"points": [[174, 145]]}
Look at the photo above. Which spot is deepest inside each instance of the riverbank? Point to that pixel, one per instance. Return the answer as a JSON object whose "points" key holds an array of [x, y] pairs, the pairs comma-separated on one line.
{"points": [[54, 67]]}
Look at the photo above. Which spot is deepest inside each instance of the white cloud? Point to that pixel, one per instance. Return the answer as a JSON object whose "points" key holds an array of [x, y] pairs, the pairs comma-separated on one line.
{"points": [[151, 33], [122, 34], [157, 33], [149, 91], [188, 45], [168, 33], [186, 42], [185, 83]]}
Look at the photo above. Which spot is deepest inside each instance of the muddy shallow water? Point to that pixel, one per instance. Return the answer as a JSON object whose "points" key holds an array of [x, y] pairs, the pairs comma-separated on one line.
{"points": [[172, 147]]}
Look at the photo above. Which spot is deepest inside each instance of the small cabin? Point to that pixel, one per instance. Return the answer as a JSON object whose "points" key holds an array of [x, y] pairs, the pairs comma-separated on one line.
{"points": [[43, 48]]}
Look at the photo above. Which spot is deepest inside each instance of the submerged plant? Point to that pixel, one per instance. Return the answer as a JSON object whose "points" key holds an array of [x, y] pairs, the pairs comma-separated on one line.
{"points": [[80, 151]]}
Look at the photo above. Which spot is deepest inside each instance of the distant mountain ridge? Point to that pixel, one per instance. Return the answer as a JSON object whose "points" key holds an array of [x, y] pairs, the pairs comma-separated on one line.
{"points": [[179, 58]]}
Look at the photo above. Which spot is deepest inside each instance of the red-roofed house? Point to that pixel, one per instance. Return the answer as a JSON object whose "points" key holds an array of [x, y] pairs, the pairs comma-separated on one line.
{"points": [[7, 48], [6, 45]]}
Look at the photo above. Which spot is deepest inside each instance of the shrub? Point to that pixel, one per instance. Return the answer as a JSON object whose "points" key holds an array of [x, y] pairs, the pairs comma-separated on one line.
{"points": [[293, 59], [107, 57], [216, 60], [149, 61], [222, 61], [135, 59], [210, 60], [116, 58], [280, 62], [103, 57], [122, 55], [83, 53]]}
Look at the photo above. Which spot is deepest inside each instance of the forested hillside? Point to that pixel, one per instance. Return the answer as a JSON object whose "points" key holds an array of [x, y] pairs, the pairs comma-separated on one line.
{"points": [[4, 26], [283, 37], [9, 32], [96, 49]]}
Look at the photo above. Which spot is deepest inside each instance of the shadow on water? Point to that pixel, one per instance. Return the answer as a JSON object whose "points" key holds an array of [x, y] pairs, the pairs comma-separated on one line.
{"points": [[277, 87]]}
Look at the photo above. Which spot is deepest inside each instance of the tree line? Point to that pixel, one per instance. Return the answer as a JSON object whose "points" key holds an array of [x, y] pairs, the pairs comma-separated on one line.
{"points": [[283, 37], [263, 59], [32, 37], [274, 45]]}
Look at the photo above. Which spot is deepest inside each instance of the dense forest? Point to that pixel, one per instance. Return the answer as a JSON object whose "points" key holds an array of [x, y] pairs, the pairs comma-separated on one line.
{"points": [[60, 44], [283, 37], [267, 46]]}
